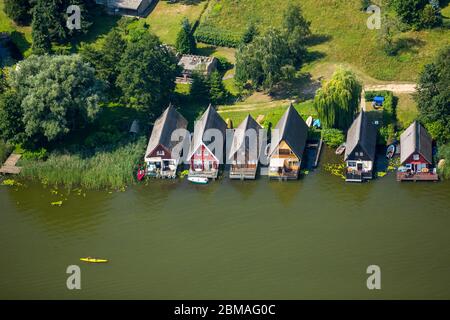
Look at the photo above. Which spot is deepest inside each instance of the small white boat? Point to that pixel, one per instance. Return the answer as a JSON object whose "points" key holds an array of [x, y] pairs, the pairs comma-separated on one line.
{"points": [[390, 151], [198, 180], [309, 121], [340, 150]]}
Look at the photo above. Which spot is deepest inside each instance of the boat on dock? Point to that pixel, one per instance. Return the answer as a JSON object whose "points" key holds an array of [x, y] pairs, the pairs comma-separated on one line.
{"points": [[340, 150], [390, 151], [309, 121], [198, 180]]}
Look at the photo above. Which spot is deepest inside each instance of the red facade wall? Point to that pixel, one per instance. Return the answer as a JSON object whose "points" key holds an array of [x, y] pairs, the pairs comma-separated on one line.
{"points": [[159, 149], [204, 156], [420, 161]]}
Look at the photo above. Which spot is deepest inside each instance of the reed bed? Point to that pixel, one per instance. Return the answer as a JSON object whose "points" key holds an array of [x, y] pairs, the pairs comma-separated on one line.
{"points": [[103, 169]]}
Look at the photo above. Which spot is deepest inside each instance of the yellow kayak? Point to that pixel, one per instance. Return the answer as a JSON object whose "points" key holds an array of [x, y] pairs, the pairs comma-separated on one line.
{"points": [[94, 260]]}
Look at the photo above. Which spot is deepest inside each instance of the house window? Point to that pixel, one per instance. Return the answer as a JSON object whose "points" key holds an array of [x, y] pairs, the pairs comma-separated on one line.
{"points": [[352, 164], [160, 153], [206, 153], [416, 157], [361, 154]]}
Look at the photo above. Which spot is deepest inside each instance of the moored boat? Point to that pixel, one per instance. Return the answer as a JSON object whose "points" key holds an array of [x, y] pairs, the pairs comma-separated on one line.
{"points": [[309, 121], [198, 180], [390, 151], [340, 150]]}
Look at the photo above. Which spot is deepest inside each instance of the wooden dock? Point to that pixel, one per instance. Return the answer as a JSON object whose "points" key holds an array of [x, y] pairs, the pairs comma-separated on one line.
{"points": [[9, 167], [319, 150]]}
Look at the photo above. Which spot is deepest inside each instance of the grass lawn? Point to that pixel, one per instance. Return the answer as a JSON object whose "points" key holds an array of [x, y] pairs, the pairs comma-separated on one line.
{"points": [[20, 35], [165, 19], [271, 110], [407, 110], [341, 34]]}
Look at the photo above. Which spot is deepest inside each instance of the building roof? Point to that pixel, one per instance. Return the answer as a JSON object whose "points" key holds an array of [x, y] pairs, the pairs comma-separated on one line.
{"points": [[416, 139], [293, 130], [209, 120], [239, 137], [163, 128], [125, 4], [363, 133], [191, 62]]}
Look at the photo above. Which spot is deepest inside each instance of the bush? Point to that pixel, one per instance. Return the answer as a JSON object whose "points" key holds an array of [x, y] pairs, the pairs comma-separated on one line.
{"points": [[40, 154], [5, 150], [223, 64], [218, 37], [444, 153], [333, 137], [387, 134]]}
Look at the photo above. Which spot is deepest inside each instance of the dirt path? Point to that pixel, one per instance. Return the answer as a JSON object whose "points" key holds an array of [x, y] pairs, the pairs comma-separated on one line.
{"points": [[394, 87]]}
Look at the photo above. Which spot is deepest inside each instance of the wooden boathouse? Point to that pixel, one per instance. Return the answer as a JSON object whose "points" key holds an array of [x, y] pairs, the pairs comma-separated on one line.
{"points": [[360, 149], [416, 155], [287, 146], [204, 162], [161, 158], [245, 149]]}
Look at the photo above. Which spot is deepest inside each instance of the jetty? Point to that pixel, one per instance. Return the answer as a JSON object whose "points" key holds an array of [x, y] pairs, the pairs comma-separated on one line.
{"points": [[9, 167], [319, 150]]}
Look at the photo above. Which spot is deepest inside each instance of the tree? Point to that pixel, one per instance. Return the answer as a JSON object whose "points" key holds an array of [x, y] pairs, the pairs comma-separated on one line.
{"points": [[18, 11], [217, 91], [185, 42], [388, 30], [3, 84], [147, 74], [433, 95], [11, 125], [40, 28], [338, 100], [266, 61], [250, 33], [57, 95], [200, 88], [297, 30], [106, 57], [418, 13]]}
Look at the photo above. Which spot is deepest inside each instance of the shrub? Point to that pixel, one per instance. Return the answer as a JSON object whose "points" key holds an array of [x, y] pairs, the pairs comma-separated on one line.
{"points": [[387, 134], [40, 154], [444, 153], [5, 150], [211, 35], [333, 137]]}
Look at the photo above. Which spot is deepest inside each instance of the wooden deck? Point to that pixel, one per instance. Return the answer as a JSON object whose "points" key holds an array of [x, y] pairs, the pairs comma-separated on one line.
{"points": [[9, 167], [243, 173], [420, 176]]}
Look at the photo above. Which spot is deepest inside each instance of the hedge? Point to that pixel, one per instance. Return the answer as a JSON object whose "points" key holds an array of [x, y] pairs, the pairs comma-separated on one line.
{"points": [[218, 37]]}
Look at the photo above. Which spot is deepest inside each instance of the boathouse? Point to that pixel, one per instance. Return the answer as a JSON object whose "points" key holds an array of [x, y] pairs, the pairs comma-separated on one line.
{"points": [[137, 8], [416, 155], [245, 149], [287, 146], [360, 149], [204, 162], [161, 156]]}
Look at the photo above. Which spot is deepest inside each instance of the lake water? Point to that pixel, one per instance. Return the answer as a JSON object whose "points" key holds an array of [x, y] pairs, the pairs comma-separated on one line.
{"points": [[312, 238]]}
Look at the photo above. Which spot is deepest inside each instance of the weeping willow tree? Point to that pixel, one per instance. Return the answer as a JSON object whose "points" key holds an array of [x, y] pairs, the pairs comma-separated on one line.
{"points": [[338, 100]]}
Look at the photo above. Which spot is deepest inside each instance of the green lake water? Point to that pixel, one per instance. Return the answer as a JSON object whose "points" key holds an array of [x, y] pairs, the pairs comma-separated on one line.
{"points": [[312, 238]]}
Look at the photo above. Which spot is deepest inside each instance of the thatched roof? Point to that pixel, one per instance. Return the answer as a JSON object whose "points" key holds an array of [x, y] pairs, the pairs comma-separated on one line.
{"points": [[363, 133], [293, 130], [209, 120], [416, 139], [163, 128], [239, 138]]}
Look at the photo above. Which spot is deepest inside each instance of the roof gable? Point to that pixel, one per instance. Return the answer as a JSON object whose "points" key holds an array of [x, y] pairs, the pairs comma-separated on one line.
{"points": [[362, 133], [293, 130], [240, 139], [209, 120], [163, 128], [416, 139]]}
